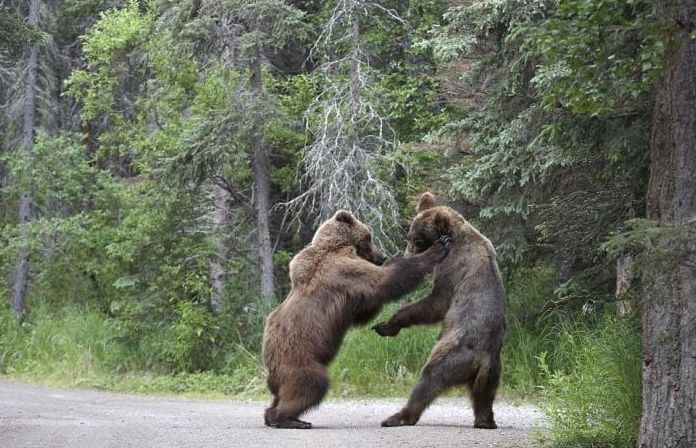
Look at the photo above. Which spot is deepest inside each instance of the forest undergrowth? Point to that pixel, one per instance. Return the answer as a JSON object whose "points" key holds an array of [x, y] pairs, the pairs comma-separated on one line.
{"points": [[583, 371]]}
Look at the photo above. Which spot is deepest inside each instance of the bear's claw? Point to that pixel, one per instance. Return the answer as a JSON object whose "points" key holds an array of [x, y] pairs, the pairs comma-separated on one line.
{"points": [[385, 329], [292, 423], [445, 242], [396, 420]]}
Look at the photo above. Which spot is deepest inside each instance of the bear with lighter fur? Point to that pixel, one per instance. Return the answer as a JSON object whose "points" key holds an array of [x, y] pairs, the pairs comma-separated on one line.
{"points": [[337, 282]]}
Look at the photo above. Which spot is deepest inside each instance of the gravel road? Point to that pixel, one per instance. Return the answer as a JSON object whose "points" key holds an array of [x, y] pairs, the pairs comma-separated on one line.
{"points": [[34, 416]]}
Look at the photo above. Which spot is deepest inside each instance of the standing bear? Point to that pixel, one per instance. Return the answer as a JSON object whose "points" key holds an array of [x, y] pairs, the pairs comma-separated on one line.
{"points": [[468, 297], [337, 281]]}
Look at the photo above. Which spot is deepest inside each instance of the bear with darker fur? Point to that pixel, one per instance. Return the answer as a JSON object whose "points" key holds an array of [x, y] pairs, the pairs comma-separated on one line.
{"points": [[468, 297], [337, 281]]}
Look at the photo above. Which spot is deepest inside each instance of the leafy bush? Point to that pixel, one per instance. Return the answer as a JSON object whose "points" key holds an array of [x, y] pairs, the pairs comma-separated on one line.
{"points": [[190, 339]]}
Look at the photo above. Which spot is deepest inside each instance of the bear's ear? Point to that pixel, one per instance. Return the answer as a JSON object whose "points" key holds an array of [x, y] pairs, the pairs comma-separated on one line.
{"points": [[441, 224], [426, 201], [344, 216]]}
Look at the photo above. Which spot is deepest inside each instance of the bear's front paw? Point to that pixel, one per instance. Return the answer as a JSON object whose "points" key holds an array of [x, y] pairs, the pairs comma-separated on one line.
{"points": [[443, 245], [386, 329], [445, 240]]}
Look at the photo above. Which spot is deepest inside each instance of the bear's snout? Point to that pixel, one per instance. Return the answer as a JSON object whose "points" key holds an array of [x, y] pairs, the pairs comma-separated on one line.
{"points": [[378, 257]]}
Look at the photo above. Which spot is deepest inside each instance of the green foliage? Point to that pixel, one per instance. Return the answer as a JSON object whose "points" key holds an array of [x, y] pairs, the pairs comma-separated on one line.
{"points": [[66, 187], [653, 246], [191, 338], [595, 56], [106, 47], [593, 398], [269, 23], [413, 103], [551, 161], [117, 30], [15, 33]]}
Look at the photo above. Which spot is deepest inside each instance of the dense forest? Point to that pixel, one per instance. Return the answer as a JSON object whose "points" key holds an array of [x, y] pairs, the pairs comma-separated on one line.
{"points": [[161, 161]]}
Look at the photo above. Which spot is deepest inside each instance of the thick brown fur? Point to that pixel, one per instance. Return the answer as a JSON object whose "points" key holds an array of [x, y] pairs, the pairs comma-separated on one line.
{"points": [[468, 297], [337, 281]]}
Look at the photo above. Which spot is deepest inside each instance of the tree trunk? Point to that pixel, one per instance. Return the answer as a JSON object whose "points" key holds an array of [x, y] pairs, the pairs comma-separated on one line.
{"points": [[19, 283], [624, 280], [221, 223], [669, 313], [261, 169]]}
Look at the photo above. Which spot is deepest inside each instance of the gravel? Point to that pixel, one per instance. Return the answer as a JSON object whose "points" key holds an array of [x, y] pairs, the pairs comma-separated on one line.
{"points": [[35, 416]]}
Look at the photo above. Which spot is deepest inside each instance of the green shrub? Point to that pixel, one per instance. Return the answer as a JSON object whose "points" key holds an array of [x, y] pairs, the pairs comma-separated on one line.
{"points": [[188, 341]]}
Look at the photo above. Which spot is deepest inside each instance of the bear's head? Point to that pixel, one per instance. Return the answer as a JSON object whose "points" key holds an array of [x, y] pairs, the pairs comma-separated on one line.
{"points": [[344, 229], [431, 223]]}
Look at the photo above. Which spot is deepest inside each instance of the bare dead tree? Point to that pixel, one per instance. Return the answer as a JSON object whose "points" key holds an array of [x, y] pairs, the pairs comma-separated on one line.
{"points": [[348, 162], [221, 224]]}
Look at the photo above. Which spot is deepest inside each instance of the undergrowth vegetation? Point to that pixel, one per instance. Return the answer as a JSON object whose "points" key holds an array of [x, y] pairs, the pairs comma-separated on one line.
{"points": [[582, 369]]}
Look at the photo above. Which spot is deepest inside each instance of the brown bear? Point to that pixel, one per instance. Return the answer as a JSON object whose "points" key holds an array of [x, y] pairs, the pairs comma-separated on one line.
{"points": [[337, 281], [468, 297]]}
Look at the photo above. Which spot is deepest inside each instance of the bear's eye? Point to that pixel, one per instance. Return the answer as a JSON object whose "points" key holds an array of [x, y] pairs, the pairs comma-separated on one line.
{"points": [[368, 239]]}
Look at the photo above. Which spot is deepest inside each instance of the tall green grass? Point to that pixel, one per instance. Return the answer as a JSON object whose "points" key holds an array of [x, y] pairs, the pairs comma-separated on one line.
{"points": [[583, 370], [527, 335], [72, 346], [82, 347], [370, 365], [592, 393]]}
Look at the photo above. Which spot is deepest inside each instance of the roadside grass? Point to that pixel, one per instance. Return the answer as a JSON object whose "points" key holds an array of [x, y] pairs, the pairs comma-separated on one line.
{"points": [[593, 395], [80, 348], [582, 371]]}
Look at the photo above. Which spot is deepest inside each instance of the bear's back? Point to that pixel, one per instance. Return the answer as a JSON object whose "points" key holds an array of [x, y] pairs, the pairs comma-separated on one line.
{"points": [[477, 307]]}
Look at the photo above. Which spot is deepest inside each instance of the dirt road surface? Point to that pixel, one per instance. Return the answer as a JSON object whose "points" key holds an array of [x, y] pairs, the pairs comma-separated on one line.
{"points": [[34, 416]]}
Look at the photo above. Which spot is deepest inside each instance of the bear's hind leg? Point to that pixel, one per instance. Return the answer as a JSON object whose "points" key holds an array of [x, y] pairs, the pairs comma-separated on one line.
{"points": [[424, 393], [483, 391], [444, 370], [304, 391], [270, 408]]}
